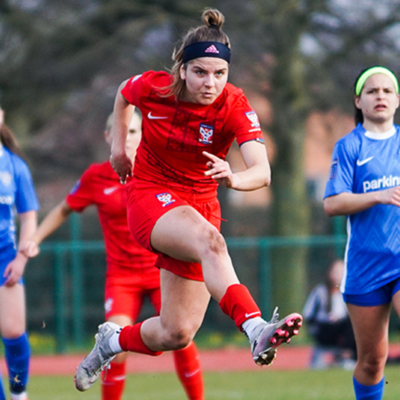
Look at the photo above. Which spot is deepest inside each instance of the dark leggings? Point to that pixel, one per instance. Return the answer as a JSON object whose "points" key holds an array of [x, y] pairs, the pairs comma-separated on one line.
{"points": [[337, 334]]}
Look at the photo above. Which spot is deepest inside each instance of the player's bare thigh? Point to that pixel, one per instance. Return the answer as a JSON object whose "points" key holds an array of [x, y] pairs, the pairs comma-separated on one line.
{"points": [[12, 311], [396, 303], [182, 233], [370, 324]]}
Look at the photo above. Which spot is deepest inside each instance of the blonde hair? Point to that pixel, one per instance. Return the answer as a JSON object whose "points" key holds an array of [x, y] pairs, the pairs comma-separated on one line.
{"points": [[109, 122], [211, 31], [110, 119]]}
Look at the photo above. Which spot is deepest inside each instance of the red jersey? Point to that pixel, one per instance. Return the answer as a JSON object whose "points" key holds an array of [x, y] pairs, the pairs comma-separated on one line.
{"points": [[175, 133], [100, 186]]}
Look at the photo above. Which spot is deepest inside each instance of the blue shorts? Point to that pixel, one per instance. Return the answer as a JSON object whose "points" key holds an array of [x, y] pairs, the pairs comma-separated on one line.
{"points": [[377, 297], [7, 254]]}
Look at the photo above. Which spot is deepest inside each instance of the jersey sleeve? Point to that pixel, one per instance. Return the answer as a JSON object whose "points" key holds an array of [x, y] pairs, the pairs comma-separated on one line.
{"points": [[132, 90], [81, 195], [243, 121], [341, 174], [25, 197]]}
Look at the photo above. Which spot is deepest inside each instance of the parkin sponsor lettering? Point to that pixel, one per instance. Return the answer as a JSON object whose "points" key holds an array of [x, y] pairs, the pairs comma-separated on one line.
{"points": [[382, 183], [8, 200]]}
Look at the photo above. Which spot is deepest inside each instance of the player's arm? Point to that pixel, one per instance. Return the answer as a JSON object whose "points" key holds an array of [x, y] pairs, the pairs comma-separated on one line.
{"points": [[15, 269], [352, 203], [28, 225], [123, 112], [54, 219], [256, 175]]}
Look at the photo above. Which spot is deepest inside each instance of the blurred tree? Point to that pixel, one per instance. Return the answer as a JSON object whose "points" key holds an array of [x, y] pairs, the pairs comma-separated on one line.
{"points": [[61, 63], [303, 55]]}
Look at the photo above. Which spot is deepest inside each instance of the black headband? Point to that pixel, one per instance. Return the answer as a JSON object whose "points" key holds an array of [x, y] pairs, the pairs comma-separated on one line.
{"points": [[206, 49]]}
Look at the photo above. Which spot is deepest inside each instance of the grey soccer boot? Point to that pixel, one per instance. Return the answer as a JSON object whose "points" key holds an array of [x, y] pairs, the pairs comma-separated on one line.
{"points": [[270, 335], [99, 358]]}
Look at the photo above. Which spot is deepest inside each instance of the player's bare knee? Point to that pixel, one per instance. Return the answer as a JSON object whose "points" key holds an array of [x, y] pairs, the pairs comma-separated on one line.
{"points": [[11, 333], [215, 242], [178, 339], [373, 367]]}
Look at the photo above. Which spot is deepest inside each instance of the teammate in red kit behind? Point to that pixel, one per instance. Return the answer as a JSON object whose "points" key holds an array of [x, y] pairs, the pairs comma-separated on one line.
{"points": [[131, 274], [190, 119]]}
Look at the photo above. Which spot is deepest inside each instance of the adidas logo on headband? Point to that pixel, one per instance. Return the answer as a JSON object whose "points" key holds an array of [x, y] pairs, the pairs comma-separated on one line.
{"points": [[211, 49]]}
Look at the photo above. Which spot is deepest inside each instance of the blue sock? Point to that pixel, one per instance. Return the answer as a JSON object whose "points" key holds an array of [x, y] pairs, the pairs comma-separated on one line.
{"points": [[374, 392], [17, 353]]}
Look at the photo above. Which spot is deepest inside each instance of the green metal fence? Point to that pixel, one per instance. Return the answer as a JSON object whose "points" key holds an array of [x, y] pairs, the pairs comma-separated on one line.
{"points": [[264, 247], [73, 272]]}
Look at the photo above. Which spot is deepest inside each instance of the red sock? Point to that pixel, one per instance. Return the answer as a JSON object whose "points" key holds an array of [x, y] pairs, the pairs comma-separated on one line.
{"points": [[238, 304], [187, 365], [113, 381], [130, 340]]}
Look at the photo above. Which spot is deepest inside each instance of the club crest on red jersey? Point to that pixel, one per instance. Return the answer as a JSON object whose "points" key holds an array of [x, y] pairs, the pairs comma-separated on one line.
{"points": [[108, 305], [252, 116], [206, 134], [165, 198]]}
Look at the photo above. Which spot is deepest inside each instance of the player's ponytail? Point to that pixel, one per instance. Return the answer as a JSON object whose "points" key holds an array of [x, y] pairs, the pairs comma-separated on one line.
{"points": [[9, 141]]}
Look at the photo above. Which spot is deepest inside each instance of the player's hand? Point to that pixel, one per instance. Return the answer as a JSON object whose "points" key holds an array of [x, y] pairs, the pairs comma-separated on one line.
{"points": [[29, 248], [14, 270], [219, 170], [122, 165], [1, 117], [390, 196]]}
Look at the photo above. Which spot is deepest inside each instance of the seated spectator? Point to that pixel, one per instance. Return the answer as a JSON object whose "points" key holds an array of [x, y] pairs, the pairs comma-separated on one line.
{"points": [[329, 324]]}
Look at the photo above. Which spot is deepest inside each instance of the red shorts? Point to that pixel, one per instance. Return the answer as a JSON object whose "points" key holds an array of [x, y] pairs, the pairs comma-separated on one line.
{"points": [[126, 290], [147, 202]]}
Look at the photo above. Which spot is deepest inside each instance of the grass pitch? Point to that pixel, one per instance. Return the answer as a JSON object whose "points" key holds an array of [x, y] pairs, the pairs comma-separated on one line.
{"points": [[329, 384]]}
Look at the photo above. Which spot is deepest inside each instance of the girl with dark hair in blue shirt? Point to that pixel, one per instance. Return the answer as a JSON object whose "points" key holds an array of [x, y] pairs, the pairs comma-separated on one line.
{"points": [[364, 185], [17, 194]]}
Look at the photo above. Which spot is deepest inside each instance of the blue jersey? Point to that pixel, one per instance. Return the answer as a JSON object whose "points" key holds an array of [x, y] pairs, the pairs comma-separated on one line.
{"points": [[16, 192], [363, 162]]}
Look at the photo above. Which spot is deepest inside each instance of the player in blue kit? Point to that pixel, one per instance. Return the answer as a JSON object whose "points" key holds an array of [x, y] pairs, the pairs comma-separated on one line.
{"points": [[364, 185], [16, 193]]}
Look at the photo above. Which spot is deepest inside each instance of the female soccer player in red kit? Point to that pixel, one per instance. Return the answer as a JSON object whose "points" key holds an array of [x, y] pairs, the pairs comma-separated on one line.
{"points": [[190, 119], [131, 274]]}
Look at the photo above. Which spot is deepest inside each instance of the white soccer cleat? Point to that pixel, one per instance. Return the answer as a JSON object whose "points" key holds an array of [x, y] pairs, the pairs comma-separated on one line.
{"points": [[99, 358], [270, 335]]}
